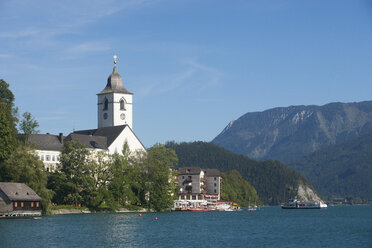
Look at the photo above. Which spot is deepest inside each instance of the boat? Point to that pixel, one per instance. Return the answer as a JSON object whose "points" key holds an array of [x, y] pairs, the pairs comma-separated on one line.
{"points": [[298, 204]]}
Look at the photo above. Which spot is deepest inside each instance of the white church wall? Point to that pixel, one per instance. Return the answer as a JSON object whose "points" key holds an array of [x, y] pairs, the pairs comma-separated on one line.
{"points": [[128, 136]]}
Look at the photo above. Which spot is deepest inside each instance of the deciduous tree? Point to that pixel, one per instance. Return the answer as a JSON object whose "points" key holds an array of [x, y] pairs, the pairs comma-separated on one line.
{"points": [[8, 131]]}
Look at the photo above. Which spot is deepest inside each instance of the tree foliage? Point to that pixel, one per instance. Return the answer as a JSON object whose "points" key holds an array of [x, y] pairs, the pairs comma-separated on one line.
{"points": [[159, 184], [28, 124], [115, 181], [23, 166], [8, 131], [236, 189]]}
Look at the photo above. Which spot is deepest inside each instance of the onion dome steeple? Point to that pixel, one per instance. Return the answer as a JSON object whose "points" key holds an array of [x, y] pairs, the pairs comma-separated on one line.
{"points": [[114, 82]]}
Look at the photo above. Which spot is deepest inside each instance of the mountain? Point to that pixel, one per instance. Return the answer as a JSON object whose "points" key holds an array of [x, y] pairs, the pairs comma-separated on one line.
{"points": [[273, 181], [343, 170], [286, 133]]}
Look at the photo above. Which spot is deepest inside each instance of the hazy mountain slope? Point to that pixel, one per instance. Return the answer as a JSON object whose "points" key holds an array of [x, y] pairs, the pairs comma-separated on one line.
{"points": [[273, 181], [286, 133], [343, 170]]}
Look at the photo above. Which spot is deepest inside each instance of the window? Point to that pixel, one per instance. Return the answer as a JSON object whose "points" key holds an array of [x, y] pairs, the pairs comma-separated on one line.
{"points": [[183, 177], [22, 204], [47, 157], [32, 204], [122, 104], [53, 158], [215, 184], [15, 204], [105, 104], [215, 178], [42, 157], [58, 158], [215, 191], [194, 197], [37, 204]]}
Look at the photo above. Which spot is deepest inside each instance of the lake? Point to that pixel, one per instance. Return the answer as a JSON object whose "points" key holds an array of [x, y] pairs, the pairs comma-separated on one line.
{"points": [[337, 226]]}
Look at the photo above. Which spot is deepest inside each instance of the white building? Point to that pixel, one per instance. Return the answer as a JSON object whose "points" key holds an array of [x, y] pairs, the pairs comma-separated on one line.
{"points": [[199, 184], [115, 126]]}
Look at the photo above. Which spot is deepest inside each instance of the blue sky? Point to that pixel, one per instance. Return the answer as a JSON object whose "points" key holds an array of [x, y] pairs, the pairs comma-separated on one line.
{"points": [[193, 66]]}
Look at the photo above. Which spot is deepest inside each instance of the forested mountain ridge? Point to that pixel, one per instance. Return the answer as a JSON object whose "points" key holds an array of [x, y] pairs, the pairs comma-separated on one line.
{"points": [[288, 132], [273, 181], [343, 170]]}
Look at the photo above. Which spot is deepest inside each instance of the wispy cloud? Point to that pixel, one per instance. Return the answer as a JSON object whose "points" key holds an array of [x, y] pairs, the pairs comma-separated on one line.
{"points": [[94, 46], [27, 32], [193, 76], [39, 24], [211, 76], [4, 55]]}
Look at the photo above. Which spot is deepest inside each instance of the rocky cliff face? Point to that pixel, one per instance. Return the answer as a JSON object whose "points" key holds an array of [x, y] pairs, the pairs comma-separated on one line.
{"points": [[306, 193], [286, 133]]}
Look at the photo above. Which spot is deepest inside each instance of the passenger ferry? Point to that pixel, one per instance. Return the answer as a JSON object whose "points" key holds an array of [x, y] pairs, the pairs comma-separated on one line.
{"points": [[298, 204]]}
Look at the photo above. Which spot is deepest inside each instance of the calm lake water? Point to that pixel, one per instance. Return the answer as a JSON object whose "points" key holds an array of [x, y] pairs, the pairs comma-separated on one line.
{"points": [[339, 226]]}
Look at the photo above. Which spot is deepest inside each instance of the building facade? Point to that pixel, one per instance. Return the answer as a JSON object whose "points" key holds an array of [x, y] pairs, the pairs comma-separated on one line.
{"points": [[199, 184]]}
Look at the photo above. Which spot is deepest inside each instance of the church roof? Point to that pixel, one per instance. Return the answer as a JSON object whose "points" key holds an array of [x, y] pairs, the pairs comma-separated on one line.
{"points": [[89, 141], [19, 192], [100, 138], [110, 133], [114, 84]]}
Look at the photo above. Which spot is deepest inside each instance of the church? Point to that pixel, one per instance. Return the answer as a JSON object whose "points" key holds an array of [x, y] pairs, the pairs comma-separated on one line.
{"points": [[115, 126]]}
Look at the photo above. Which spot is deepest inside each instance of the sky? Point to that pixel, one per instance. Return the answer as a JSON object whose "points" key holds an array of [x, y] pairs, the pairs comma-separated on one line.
{"points": [[193, 65]]}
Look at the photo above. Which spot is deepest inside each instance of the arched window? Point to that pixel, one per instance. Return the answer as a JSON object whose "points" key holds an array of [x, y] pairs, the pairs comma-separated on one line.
{"points": [[122, 104], [105, 104]]}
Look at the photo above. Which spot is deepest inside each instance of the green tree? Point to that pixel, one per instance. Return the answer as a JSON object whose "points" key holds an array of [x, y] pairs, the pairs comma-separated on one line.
{"points": [[28, 125], [79, 171], [125, 183], [8, 131], [159, 184], [23, 166]]}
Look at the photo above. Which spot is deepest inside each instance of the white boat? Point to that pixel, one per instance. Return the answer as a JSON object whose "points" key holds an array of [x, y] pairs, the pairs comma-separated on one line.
{"points": [[298, 204]]}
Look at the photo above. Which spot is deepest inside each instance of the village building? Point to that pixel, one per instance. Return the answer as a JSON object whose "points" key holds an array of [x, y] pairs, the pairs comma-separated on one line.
{"points": [[17, 199], [115, 127], [199, 184]]}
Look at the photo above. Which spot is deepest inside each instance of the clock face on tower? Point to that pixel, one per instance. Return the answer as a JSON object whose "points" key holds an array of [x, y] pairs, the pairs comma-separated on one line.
{"points": [[122, 116]]}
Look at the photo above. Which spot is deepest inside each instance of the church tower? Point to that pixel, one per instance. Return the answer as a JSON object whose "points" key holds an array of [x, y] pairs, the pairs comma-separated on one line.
{"points": [[114, 102]]}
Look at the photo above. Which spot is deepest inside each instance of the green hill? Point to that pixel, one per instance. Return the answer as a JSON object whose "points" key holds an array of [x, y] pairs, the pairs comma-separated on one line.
{"points": [[273, 181], [343, 170], [236, 189]]}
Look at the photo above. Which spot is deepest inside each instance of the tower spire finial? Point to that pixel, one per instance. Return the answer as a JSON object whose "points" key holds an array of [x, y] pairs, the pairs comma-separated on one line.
{"points": [[115, 57]]}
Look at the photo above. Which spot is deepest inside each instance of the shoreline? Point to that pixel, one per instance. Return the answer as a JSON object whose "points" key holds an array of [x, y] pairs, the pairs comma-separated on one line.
{"points": [[81, 211]]}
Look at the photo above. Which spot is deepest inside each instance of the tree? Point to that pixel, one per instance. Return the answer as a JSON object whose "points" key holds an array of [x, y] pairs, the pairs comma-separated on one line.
{"points": [[125, 184], [8, 131], [160, 185], [28, 125], [23, 166], [79, 172]]}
